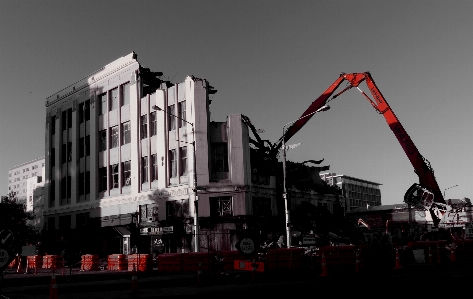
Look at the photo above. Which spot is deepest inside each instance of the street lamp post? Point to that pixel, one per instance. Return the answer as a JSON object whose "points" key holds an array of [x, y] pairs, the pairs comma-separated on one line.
{"points": [[447, 189], [194, 189], [284, 192]]}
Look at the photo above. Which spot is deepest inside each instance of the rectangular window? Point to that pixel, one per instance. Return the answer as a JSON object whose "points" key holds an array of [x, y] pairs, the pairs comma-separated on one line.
{"points": [[171, 118], [81, 113], [87, 145], [219, 157], [64, 120], [102, 140], [126, 131], [82, 219], [51, 223], [87, 110], [64, 153], [152, 124], [174, 209], [81, 183], [81, 147], [113, 99], [144, 126], [173, 163], [64, 222], [154, 169], [103, 179], [182, 114], [102, 103], [69, 118], [87, 182], [69, 151], [53, 125], [53, 157], [126, 166], [144, 168], [221, 206], [125, 89], [114, 137], [114, 176], [183, 156]]}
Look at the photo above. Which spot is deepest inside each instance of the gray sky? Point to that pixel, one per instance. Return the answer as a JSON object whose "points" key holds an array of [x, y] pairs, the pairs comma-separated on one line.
{"points": [[268, 60]]}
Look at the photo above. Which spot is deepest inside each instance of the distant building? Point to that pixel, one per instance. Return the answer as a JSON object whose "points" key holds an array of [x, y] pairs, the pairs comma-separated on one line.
{"points": [[357, 192], [18, 177]]}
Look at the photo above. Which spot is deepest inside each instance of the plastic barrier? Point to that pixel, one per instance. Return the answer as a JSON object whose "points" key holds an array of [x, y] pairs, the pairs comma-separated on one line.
{"points": [[463, 249], [434, 251], [35, 261], [284, 258], [170, 262], [89, 262], [117, 262], [142, 262], [52, 262], [228, 259], [191, 261], [340, 255]]}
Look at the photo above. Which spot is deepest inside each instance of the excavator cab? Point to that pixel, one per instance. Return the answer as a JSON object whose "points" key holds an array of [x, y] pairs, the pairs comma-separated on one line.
{"points": [[419, 197]]}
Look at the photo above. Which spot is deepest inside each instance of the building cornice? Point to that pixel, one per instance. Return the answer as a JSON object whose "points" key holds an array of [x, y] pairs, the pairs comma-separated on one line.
{"points": [[96, 76]]}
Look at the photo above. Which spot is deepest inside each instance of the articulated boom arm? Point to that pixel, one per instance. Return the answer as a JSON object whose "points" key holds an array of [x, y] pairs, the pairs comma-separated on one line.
{"points": [[421, 165]]}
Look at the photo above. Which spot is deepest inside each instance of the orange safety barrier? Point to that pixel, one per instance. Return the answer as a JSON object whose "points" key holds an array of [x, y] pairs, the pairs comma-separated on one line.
{"points": [[191, 261], [143, 262], [340, 255], [229, 257], [117, 262], [34, 262], [439, 254], [170, 262], [89, 262], [52, 262], [284, 258]]}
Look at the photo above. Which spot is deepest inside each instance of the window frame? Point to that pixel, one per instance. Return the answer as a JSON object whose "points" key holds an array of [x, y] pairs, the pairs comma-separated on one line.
{"points": [[144, 126], [102, 140], [114, 176], [114, 137], [144, 170], [126, 132]]}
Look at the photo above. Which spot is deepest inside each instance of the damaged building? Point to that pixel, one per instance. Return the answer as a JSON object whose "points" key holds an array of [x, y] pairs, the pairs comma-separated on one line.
{"points": [[133, 163]]}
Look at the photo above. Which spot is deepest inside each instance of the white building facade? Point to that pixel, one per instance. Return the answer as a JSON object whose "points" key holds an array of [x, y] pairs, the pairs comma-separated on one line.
{"points": [[121, 173]]}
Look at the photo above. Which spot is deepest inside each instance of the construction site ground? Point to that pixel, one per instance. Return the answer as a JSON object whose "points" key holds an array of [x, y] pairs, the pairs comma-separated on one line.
{"points": [[153, 284]]}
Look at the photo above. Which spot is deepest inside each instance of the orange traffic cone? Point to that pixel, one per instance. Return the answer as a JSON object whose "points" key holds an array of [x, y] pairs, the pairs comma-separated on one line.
{"points": [[53, 287], [430, 256], [324, 267], [453, 258], [199, 275], [134, 281], [398, 261], [357, 261]]}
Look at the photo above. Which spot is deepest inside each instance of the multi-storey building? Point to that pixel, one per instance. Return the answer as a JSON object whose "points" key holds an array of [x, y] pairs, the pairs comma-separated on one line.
{"points": [[120, 174], [357, 192], [18, 177]]}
